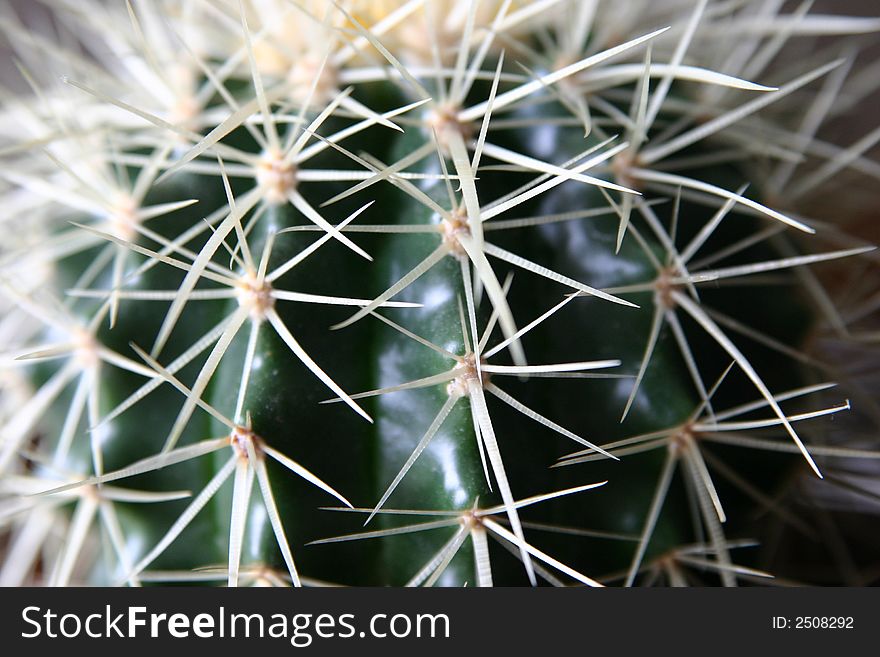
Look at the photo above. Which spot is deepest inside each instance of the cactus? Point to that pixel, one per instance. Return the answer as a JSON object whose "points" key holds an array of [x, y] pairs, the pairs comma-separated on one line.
{"points": [[307, 292]]}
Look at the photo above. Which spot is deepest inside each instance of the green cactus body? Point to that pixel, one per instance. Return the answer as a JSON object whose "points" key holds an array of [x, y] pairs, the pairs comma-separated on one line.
{"points": [[587, 433], [281, 400], [448, 474]]}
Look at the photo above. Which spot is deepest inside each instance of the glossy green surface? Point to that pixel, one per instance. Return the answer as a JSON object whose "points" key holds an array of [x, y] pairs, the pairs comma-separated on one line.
{"points": [[360, 459]]}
